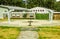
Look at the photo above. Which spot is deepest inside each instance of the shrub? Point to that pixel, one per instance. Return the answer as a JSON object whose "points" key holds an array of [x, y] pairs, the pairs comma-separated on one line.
{"points": [[42, 16]]}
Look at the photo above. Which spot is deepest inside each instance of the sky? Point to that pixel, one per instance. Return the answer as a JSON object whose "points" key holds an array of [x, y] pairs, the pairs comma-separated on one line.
{"points": [[57, 0]]}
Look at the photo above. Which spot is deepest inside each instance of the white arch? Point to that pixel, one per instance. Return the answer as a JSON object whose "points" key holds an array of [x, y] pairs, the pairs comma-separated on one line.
{"points": [[50, 15]]}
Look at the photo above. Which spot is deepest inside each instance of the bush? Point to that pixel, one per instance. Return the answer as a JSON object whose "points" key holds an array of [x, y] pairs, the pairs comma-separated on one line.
{"points": [[25, 15], [42, 16]]}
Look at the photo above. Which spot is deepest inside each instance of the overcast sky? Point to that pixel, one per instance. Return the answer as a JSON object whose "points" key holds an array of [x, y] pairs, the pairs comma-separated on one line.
{"points": [[57, 0]]}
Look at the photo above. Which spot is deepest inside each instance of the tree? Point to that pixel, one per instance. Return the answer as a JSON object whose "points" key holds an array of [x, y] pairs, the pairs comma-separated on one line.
{"points": [[11, 2], [57, 6], [52, 4], [41, 3]]}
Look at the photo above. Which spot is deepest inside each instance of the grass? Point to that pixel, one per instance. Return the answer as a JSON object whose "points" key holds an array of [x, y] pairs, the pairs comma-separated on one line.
{"points": [[9, 32], [2, 20], [49, 32], [43, 32]]}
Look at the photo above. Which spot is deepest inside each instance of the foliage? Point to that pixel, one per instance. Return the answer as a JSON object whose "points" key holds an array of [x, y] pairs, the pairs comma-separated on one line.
{"points": [[49, 32], [52, 4], [57, 6], [42, 16], [24, 15], [9, 32]]}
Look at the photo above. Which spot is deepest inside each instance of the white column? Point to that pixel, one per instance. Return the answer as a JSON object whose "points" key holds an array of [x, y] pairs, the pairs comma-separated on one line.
{"points": [[34, 15], [9, 15], [49, 16]]}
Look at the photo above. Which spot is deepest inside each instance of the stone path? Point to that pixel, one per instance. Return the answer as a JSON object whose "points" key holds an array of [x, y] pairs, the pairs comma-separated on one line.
{"points": [[28, 35]]}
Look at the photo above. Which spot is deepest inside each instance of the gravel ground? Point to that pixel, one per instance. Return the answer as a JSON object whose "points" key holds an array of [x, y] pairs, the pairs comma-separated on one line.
{"points": [[34, 22]]}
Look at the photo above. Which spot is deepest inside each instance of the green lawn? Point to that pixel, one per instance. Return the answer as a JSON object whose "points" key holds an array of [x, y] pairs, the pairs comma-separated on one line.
{"points": [[9, 32], [43, 32], [49, 32]]}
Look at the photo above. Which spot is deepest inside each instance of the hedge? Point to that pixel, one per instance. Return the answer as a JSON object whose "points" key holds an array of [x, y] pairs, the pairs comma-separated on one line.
{"points": [[42, 16]]}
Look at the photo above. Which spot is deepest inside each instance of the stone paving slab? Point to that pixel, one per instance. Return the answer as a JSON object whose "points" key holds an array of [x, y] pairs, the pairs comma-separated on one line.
{"points": [[28, 35]]}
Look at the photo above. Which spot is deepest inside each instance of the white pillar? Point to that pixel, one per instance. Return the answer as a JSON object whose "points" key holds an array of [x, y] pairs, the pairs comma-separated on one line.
{"points": [[34, 15], [51, 17], [9, 15]]}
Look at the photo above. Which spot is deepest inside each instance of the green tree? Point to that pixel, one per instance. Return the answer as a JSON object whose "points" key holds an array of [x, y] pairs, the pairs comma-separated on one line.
{"points": [[11, 2], [57, 6], [41, 3], [50, 4]]}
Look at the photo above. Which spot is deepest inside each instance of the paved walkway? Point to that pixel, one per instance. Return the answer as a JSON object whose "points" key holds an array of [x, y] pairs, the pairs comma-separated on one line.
{"points": [[28, 35]]}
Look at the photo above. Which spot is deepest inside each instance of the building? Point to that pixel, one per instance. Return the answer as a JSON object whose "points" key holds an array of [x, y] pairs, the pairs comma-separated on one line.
{"points": [[56, 15], [17, 12], [2, 12]]}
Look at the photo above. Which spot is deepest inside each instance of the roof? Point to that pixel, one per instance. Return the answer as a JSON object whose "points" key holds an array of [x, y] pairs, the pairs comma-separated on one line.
{"points": [[13, 7], [56, 12], [3, 10]]}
